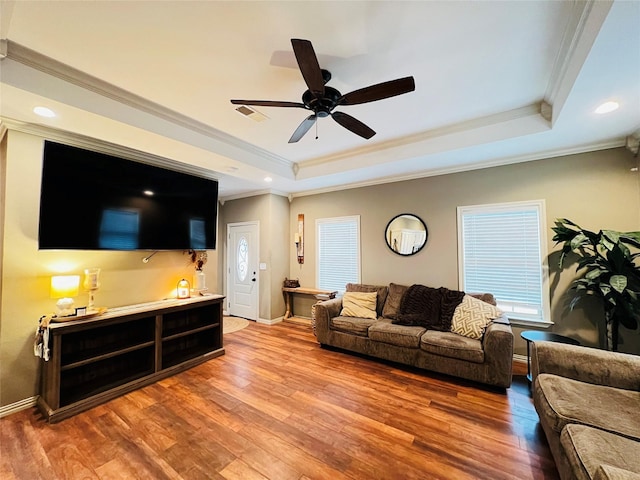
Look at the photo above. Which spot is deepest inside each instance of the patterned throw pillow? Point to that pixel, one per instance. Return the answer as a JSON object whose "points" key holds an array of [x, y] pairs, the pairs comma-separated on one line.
{"points": [[472, 316], [359, 304]]}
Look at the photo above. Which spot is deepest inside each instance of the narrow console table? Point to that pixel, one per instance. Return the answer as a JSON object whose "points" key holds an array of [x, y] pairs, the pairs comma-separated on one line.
{"points": [[288, 294], [96, 359]]}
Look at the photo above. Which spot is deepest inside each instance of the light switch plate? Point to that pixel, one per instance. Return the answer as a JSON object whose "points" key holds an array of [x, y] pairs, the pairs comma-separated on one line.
{"points": [[263, 266]]}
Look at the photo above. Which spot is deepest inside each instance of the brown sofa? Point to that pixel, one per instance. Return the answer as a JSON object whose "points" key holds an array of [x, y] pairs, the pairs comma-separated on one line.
{"points": [[486, 360], [588, 401]]}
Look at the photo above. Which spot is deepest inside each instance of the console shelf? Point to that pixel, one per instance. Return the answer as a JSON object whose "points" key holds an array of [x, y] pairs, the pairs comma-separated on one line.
{"points": [[96, 359]]}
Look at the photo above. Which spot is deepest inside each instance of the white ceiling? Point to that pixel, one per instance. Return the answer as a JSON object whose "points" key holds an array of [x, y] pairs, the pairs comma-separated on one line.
{"points": [[496, 82]]}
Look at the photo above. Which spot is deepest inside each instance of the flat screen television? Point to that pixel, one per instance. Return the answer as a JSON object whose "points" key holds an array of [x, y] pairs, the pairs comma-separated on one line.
{"points": [[94, 201]]}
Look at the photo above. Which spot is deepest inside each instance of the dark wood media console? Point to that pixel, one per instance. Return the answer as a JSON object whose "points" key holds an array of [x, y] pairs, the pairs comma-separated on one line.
{"points": [[95, 359]]}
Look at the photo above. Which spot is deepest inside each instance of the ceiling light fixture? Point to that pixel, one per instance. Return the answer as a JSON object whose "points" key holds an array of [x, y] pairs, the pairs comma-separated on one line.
{"points": [[148, 193], [44, 112], [268, 179], [607, 107]]}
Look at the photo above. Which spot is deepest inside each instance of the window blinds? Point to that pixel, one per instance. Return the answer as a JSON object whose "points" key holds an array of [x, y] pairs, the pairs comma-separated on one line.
{"points": [[338, 246], [501, 253]]}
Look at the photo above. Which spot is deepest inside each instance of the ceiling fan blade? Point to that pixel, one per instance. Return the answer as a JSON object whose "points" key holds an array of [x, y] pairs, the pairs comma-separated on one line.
{"points": [[303, 128], [379, 91], [309, 67], [268, 103], [352, 124]]}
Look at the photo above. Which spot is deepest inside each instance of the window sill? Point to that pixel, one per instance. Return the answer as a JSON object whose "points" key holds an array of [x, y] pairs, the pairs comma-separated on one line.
{"points": [[518, 322]]}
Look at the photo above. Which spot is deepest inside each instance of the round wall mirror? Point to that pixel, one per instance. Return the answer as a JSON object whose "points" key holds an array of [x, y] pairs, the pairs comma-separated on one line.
{"points": [[406, 234]]}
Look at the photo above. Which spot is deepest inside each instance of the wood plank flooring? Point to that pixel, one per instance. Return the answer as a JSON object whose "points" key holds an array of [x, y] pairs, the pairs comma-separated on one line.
{"points": [[277, 406]]}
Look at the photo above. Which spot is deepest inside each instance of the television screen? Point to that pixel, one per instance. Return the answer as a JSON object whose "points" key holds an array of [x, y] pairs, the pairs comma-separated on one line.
{"points": [[94, 201]]}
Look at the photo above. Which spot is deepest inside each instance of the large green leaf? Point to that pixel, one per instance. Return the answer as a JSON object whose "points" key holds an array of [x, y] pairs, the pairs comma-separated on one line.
{"points": [[593, 274], [608, 243], [578, 241], [618, 283], [632, 238]]}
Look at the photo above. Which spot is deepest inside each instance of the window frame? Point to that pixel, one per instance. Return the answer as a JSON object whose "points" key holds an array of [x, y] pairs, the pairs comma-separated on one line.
{"points": [[343, 219], [540, 207]]}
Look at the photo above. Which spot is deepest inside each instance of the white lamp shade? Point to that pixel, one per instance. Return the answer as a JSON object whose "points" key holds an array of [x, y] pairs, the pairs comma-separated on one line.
{"points": [[64, 286]]}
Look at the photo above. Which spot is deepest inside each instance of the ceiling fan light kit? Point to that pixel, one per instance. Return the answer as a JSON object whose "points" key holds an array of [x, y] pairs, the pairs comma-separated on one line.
{"points": [[322, 100]]}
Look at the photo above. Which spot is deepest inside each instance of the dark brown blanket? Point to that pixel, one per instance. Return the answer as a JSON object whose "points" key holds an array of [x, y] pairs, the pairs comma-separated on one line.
{"points": [[428, 307]]}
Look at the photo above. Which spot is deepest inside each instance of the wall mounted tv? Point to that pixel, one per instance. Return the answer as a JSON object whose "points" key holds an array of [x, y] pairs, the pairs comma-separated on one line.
{"points": [[94, 201]]}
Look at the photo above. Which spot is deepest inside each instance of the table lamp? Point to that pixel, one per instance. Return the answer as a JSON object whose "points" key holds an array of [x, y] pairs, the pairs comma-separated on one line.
{"points": [[65, 287]]}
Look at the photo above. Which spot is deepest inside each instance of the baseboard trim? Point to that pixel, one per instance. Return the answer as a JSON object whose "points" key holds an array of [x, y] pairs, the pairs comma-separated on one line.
{"points": [[273, 321], [520, 358], [18, 406]]}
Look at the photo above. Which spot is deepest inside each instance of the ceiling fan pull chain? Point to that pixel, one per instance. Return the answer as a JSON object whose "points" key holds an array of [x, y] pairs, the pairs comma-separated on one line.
{"points": [[317, 129]]}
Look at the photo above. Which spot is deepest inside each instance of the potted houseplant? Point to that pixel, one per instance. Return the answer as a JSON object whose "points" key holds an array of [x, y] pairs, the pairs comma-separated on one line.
{"points": [[610, 271]]}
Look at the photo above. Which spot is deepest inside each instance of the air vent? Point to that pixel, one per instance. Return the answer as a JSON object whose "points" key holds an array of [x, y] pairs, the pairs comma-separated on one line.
{"points": [[251, 113]]}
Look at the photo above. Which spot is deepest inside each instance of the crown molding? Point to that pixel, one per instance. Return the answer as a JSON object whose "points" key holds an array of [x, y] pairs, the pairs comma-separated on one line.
{"points": [[585, 22], [50, 66], [457, 128], [101, 146], [3, 129], [467, 167], [254, 193], [500, 126]]}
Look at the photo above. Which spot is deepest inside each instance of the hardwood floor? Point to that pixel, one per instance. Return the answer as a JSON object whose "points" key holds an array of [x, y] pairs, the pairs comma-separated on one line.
{"points": [[277, 406]]}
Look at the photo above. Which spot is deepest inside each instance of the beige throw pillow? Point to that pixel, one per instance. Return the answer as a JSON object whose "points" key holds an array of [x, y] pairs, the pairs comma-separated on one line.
{"points": [[359, 304], [472, 316]]}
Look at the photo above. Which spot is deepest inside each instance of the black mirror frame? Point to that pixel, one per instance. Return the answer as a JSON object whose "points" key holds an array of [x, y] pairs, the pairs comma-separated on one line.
{"points": [[386, 232]]}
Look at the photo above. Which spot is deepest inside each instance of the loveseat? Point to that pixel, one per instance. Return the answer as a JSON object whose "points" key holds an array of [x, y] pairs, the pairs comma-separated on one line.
{"points": [[485, 356], [588, 401]]}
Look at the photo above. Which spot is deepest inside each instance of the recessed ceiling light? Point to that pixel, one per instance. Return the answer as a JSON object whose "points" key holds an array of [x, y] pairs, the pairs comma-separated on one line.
{"points": [[607, 107], [44, 112], [268, 179], [148, 193]]}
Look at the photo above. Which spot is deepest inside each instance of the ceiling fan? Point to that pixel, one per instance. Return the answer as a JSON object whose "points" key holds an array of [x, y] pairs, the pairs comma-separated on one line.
{"points": [[322, 100]]}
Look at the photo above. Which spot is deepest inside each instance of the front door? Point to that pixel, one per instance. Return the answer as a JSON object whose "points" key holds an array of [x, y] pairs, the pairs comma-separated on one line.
{"points": [[242, 269]]}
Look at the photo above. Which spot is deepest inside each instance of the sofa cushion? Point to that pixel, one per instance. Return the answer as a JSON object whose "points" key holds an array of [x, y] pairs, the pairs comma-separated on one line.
{"points": [[400, 335], [392, 304], [588, 448], [608, 472], [359, 304], [564, 400], [353, 325], [448, 344], [472, 316], [381, 290]]}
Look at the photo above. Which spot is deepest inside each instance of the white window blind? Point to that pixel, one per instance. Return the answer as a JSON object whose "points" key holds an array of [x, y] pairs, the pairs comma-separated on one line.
{"points": [[502, 250], [338, 252]]}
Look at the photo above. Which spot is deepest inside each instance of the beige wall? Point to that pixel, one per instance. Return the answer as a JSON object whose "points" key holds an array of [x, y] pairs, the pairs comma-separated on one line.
{"points": [[26, 271], [272, 214], [596, 190]]}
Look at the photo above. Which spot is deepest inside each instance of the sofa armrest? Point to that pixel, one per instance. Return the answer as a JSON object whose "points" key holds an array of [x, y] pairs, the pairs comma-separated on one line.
{"points": [[497, 344], [324, 312], [586, 364]]}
